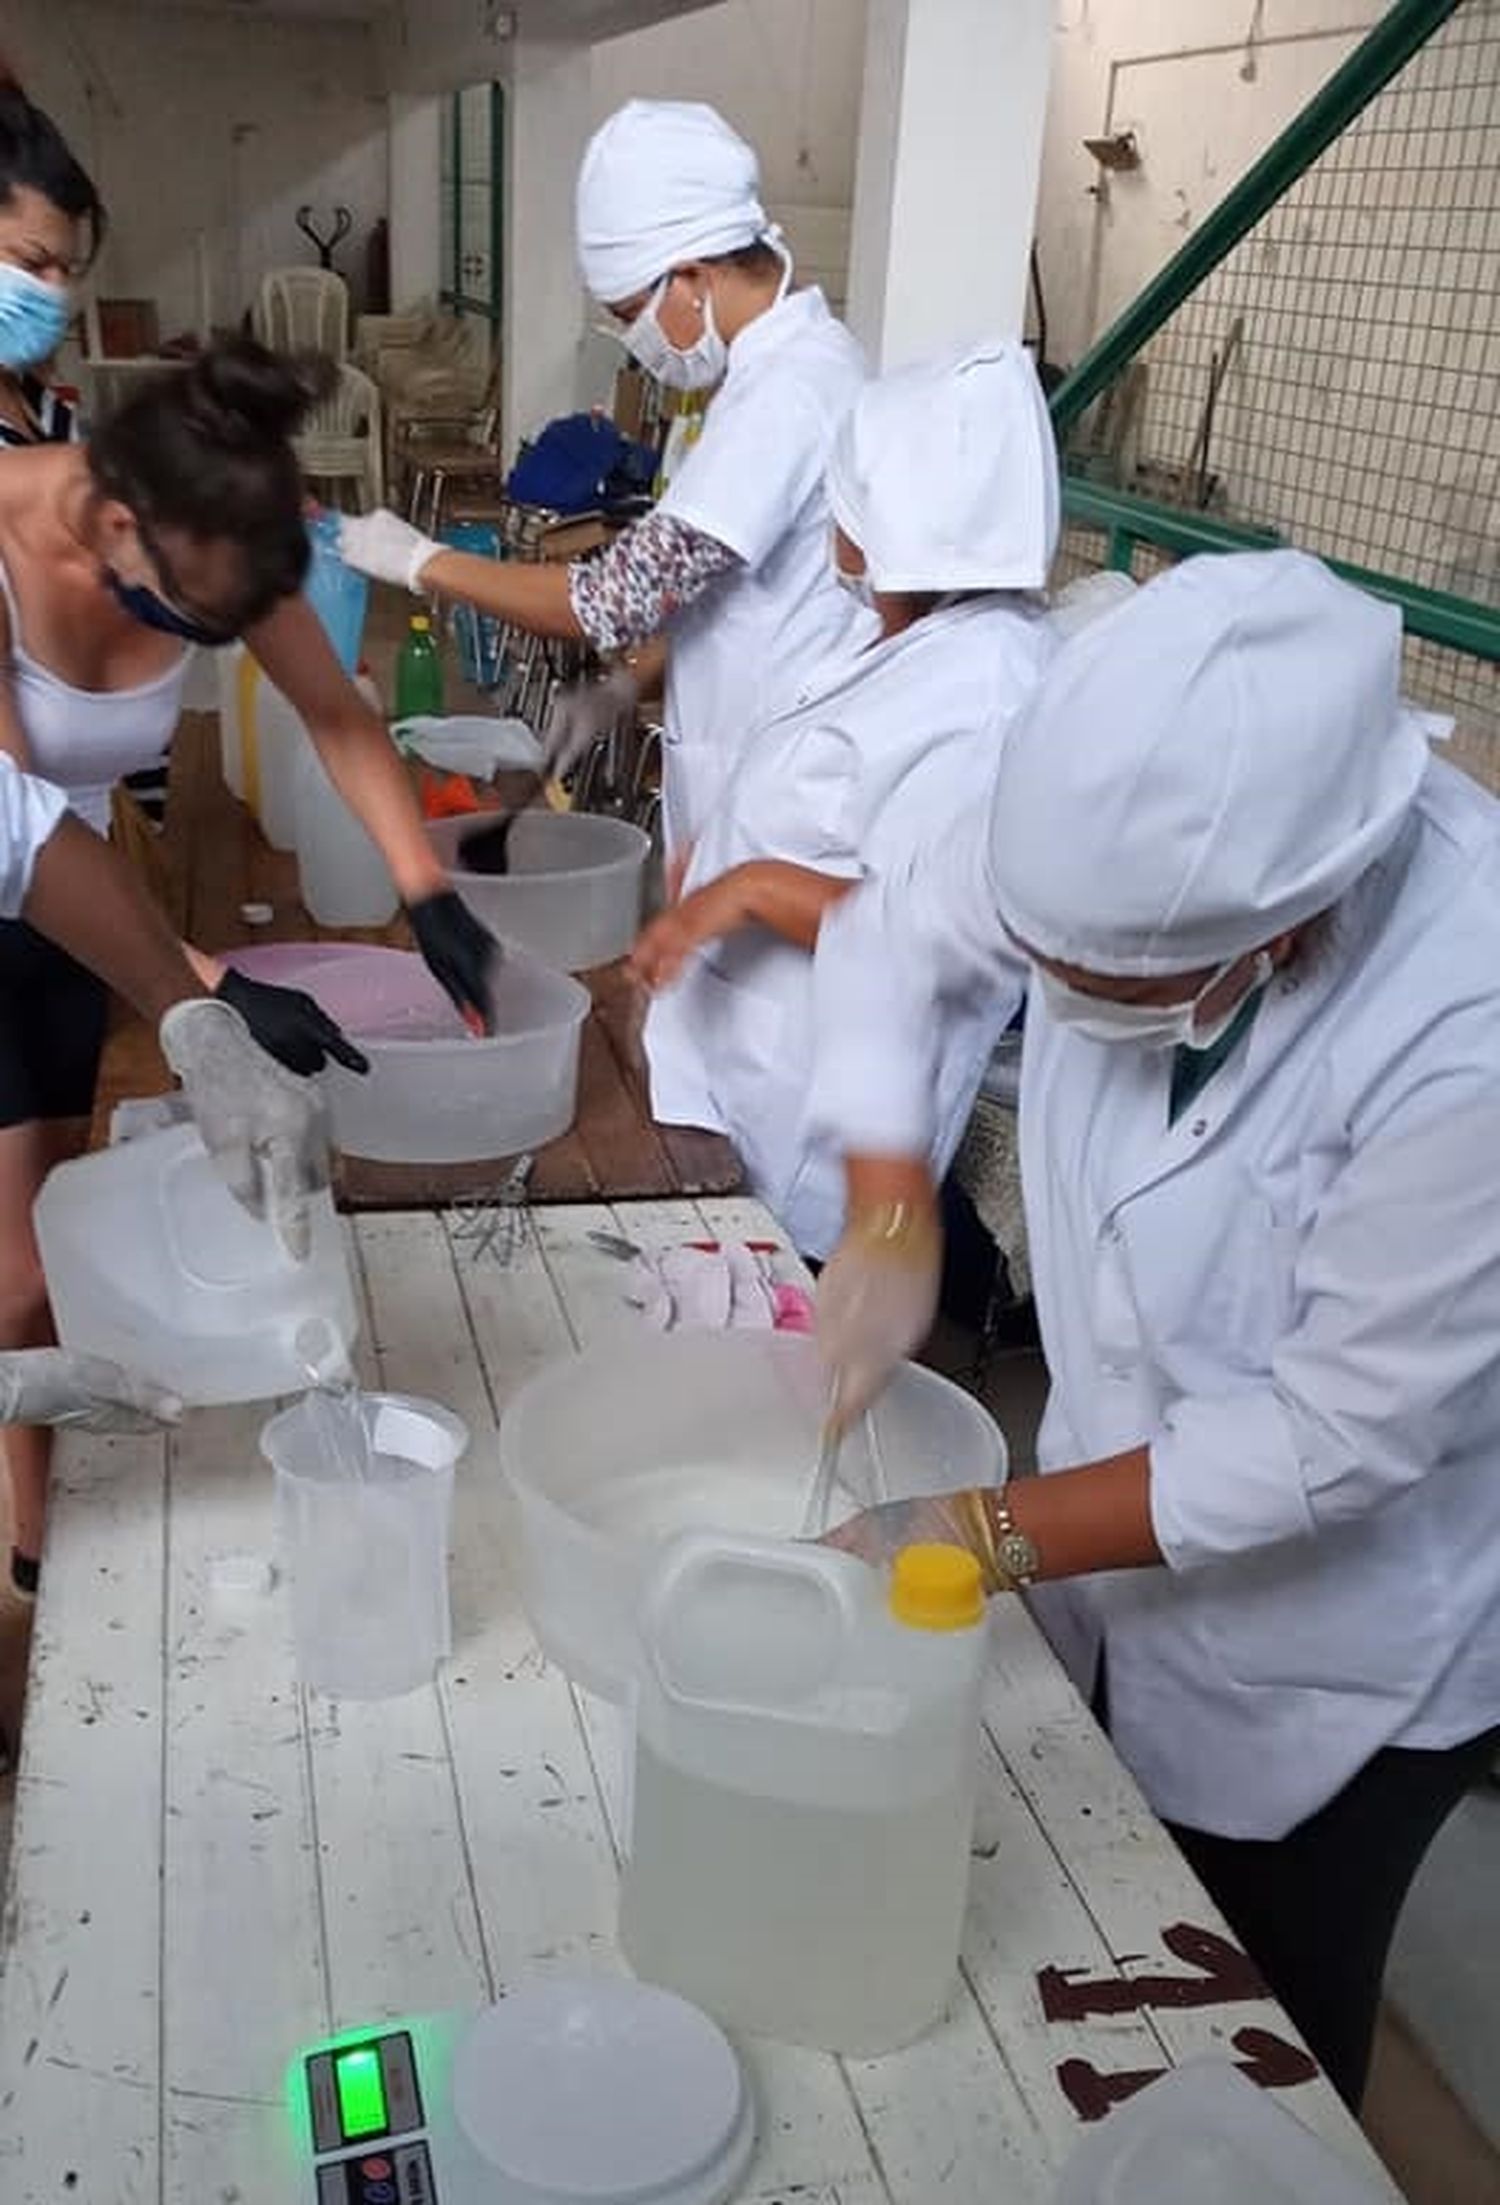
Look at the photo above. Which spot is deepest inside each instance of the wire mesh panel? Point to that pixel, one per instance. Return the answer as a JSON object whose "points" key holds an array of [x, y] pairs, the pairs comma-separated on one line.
{"points": [[1336, 376]]}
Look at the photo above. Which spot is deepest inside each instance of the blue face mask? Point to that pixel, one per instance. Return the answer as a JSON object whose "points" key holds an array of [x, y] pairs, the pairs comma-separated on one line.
{"points": [[34, 317], [152, 611]]}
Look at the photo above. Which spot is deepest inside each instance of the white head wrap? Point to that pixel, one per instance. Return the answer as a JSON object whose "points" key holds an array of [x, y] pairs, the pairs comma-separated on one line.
{"points": [[1205, 767], [662, 182], [945, 474]]}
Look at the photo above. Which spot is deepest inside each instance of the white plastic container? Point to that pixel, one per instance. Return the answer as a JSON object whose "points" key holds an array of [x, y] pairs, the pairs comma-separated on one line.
{"points": [[1206, 2135], [345, 880], [367, 1553], [150, 1260], [612, 1453], [272, 737], [435, 1093], [229, 669], [573, 893], [807, 1741]]}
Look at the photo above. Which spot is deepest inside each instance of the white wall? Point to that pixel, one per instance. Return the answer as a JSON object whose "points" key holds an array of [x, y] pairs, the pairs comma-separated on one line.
{"points": [[191, 122], [786, 74], [1204, 98]]}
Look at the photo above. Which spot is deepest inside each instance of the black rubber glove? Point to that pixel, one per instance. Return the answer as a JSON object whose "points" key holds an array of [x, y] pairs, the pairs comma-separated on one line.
{"points": [[290, 1026], [458, 950]]}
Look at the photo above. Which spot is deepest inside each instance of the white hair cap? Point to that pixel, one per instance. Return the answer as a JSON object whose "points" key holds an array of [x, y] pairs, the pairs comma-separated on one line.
{"points": [[663, 182], [945, 474], [1203, 768]]}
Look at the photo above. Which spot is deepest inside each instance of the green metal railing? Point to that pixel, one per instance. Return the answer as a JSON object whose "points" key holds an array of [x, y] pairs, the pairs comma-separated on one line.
{"points": [[1350, 89], [1330, 157], [1128, 522]]}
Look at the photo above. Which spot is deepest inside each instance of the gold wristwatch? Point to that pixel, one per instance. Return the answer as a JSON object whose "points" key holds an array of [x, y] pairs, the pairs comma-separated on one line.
{"points": [[1008, 1557]]}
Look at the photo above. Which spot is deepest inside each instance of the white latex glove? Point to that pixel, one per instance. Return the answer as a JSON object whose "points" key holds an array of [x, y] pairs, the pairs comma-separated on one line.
{"points": [[50, 1386], [875, 1305], [384, 546], [585, 713], [263, 1128]]}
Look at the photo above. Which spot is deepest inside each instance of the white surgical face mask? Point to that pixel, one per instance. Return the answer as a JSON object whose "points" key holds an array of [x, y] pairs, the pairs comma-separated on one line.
{"points": [[697, 366], [1151, 1025]]}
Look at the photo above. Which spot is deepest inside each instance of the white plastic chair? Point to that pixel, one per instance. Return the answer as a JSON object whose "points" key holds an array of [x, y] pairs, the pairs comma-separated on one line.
{"points": [[303, 310], [342, 440]]}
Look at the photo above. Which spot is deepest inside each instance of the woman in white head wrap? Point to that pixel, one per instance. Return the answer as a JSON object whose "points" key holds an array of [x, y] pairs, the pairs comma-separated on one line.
{"points": [[731, 566], [1259, 1107], [943, 483]]}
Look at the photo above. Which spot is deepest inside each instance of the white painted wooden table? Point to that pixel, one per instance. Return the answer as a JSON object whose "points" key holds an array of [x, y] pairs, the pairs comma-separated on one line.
{"points": [[211, 1868]]}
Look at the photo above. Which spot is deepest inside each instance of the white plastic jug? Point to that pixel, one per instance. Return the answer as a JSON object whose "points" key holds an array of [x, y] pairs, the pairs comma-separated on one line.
{"points": [[272, 736], [807, 1737], [150, 1260], [366, 1545], [228, 669], [345, 880]]}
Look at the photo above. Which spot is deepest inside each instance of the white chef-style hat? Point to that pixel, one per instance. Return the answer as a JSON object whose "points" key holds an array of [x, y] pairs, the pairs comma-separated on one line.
{"points": [[663, 182], [1204, 767], [945, 474]]}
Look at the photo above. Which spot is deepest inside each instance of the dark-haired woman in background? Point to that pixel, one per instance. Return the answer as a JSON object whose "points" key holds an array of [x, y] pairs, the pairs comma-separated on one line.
{"points": [[51, 227], [180, 522]]}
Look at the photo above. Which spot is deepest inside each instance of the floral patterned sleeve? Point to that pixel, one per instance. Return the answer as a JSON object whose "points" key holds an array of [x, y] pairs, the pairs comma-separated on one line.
{"points": [[630, 591]]}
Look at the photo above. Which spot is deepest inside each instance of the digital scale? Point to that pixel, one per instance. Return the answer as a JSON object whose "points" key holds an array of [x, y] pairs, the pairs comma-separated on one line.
{"points": [[567, 2092]]}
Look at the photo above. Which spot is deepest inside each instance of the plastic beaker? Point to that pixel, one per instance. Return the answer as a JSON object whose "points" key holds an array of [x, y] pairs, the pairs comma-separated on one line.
{"points": [[364, 1541]]}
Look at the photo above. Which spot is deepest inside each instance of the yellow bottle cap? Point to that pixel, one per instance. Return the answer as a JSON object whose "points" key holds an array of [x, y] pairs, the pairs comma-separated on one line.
{"points": [[937, 1588], [420, 623]]}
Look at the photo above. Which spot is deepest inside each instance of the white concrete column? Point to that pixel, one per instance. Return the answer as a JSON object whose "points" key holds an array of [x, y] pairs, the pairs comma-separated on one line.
{"points": [[547, 122], [950, 147], [415, 131]]}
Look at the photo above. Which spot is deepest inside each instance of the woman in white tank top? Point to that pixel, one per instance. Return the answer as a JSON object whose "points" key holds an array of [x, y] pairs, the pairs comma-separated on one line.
{"points": [[180, 523]]}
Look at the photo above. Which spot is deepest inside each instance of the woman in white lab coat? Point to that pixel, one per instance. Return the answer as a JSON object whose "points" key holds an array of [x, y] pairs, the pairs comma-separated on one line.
{"points": [[1259, 1107], [943, 483], [731, 567]]}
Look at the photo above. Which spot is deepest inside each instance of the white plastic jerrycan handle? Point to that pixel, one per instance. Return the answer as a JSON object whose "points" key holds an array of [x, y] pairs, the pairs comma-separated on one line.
{"points": [[752, 1626]]}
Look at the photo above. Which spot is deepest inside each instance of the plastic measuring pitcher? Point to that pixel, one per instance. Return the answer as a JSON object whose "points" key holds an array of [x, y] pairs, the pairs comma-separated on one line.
{"points": [[807, 1740], [150, 1260], [363, 1532], [337, 593]]}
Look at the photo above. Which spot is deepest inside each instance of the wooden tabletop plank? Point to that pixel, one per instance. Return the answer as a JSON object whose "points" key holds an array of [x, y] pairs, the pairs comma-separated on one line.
{"points": [[80, 1952], [243, 1979], [215, 862]]}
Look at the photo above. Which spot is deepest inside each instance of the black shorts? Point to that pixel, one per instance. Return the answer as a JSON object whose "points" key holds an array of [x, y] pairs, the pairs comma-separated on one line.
{"points": [[53, 1013]]}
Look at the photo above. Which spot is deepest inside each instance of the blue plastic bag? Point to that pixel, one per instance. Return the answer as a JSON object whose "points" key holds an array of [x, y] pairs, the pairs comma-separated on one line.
{"points": [[581, 463], [338, 595], [478, 635]]}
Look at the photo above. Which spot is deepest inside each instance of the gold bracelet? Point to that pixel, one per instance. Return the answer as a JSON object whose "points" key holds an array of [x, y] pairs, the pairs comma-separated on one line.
{"points": [[1008, 1560], [905, 1229]]}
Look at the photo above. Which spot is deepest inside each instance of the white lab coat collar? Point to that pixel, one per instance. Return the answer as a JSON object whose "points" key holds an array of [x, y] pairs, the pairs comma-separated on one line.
{"points": [[790, 315]]}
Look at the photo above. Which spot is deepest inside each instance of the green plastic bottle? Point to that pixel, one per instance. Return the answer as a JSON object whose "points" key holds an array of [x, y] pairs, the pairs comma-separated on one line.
{"points": [[419, 673]]}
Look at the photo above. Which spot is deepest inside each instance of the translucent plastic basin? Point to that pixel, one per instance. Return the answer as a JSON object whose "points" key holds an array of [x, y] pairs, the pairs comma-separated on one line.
{"points": [[573, 891], [613, 1452], [435, 1093]]}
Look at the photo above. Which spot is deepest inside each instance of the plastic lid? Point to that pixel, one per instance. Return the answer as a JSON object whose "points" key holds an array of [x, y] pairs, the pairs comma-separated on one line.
{"points": [[937, 1588], [420, 623], [602, 2092]]}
